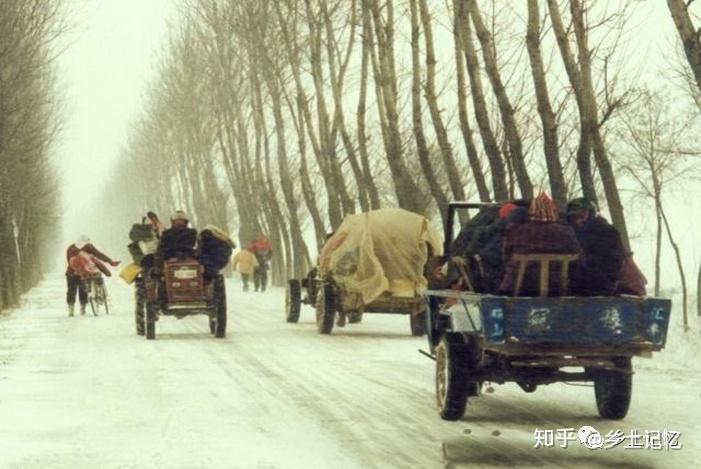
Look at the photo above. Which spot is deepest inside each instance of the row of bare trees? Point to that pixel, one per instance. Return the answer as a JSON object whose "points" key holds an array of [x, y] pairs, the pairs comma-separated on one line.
{"points": [[29, 206], [282, 117]]}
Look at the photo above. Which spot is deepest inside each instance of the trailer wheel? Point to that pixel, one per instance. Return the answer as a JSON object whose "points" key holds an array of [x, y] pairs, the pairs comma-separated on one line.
{"points": [[613, 389], [220, 302], [455, 359], [418, 324], [140, 305], [355, 318], [293, 300], [150, 321], [325, 308]]}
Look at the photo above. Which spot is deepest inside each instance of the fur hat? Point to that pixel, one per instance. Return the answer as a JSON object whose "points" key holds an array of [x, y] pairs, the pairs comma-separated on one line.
{"points": [[179, 215]]}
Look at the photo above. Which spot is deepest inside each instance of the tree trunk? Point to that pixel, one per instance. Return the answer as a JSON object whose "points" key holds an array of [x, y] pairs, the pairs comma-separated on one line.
{"points": [[551, 144], [506, 109], [688, 34], [292, 48], [658, 243], [608, 178], [408, 192], [472, 156], [491, 148], [421, 146], [680, 267], [362, 100], [584, 168], [456, 184]]}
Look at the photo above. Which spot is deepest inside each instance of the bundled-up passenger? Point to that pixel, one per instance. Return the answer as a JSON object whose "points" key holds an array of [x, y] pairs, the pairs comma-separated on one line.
{"points": [[541, 234], [178, 241], [485, 250], [603, 249]]}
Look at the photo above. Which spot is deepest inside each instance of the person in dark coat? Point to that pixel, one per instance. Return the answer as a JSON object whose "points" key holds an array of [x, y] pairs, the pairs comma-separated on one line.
{"points": [[73, 280], [603, 249], [485, 216], [541, 234], [178, 241], [485, 250]]}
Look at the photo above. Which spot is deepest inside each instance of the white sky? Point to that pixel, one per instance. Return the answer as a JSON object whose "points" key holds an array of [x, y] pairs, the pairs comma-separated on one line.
{"points": [[104, 71]]}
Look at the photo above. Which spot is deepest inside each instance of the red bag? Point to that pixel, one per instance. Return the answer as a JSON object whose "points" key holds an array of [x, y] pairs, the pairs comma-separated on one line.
{"points": [[631, 280]]}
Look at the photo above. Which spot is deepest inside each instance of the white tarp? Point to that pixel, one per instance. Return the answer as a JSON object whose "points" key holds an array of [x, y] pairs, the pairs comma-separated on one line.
{"points": [[381, 251]]}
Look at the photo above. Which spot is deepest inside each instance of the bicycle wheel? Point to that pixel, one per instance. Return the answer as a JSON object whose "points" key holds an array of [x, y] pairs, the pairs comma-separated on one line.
{"points": [[103, 291]]}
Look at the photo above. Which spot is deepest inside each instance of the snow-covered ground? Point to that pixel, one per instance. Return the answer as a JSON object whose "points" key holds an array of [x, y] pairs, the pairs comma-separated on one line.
{"points": [[87, 392]]}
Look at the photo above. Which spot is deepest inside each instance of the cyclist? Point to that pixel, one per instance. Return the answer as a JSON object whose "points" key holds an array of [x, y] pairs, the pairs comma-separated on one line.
{"points": [[79, 256]]}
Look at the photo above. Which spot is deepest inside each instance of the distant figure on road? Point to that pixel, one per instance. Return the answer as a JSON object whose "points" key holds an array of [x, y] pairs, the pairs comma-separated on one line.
{"points": [[263, 251], [79, 256], [246, 263]]}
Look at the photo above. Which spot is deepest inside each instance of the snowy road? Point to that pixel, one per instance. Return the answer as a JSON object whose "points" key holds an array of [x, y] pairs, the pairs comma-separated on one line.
{"points": [[87, 392]]}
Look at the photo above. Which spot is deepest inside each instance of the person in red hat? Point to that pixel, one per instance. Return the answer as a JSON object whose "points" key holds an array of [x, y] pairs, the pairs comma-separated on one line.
{"points": [[541, 234]]}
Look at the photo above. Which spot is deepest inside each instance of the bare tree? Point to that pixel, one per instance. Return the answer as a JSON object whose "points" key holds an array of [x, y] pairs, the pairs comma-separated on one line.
{"points": [[659, 156]]}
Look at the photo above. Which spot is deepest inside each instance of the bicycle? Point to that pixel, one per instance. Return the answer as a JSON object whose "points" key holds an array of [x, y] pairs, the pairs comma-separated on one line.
{"points": [[97, 293]]}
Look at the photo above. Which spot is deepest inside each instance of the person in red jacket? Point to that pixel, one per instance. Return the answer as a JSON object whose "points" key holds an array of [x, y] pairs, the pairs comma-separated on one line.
{"points": [[73, 279], [263, 251]]}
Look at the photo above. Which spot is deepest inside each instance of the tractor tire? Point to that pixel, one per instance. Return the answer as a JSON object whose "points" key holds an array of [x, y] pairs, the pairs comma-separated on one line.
{"points": [[613, 389], [293, 300], [220, 300], [455, 359], [150, 321], [140, 305], [325, 308], [418, 324]]}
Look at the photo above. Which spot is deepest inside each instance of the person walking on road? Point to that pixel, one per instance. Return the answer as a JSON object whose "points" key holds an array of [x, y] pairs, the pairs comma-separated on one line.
{"points": [[246, 263]]}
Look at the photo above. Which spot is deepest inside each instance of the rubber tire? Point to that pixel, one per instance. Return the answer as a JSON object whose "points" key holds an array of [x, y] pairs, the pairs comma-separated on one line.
{"points": [[220, 298], [613, 390], [417, 322], [454, 359], [140, 306], [293, 300], [150, 321], [325, 308], [355, 318]]}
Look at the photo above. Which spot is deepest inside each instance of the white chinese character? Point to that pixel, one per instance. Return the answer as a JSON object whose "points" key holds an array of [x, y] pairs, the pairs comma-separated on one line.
{"points": [[653, 439], [614, 438], [635, 440], [543, 438], [564, 436], [671, 439]]}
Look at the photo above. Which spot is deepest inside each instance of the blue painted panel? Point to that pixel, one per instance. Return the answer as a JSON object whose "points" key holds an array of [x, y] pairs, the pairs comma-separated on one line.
{"points": [[572, 321]]}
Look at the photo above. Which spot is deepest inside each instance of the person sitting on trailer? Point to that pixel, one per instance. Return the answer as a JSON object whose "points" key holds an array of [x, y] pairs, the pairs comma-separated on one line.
{"points": [[485, 249], [541, 234], [604, 253], [177, 242]]}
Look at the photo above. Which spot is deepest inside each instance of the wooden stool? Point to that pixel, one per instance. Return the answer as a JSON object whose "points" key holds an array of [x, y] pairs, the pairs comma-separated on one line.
{"points": [[544, 261]]}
